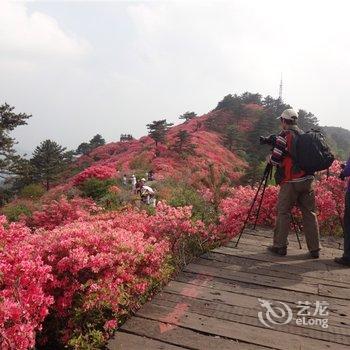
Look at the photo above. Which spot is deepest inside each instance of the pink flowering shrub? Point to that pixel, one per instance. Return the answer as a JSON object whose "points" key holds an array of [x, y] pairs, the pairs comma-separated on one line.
{"points": [[234, 210], [101, 172], [86, 275], [24, 303], [61, 212], [174, 224], [330, 192], [168, 223], [98, 271]]}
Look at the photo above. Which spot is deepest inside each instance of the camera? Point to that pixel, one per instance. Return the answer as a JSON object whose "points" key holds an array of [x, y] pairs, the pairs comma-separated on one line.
{"points": [[269, 140]]}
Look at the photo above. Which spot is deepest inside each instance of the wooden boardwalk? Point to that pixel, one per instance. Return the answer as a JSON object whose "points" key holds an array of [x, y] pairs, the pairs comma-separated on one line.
{"points": [[213, 303]]}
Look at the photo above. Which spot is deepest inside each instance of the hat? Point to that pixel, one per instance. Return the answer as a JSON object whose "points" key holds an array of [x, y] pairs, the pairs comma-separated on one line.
{"points": [[143, 179], [289, 114]]}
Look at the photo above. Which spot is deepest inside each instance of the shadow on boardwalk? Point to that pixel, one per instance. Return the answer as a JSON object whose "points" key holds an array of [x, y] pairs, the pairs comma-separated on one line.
{"points": [[214, 302]]}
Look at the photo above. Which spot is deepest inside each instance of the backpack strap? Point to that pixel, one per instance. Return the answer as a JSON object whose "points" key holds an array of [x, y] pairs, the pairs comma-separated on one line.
{"points": [[293, 150]]}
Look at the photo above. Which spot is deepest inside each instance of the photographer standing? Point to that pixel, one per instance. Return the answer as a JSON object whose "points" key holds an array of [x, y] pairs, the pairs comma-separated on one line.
{"points": [[345, 259], [296, 187]]}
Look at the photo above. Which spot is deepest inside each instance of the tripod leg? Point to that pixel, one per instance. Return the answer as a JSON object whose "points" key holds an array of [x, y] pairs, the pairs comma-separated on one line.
{"points": [[252, 205], [261, 201], [295, 225]]}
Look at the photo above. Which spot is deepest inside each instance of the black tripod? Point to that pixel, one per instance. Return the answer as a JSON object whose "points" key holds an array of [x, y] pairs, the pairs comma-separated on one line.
{"points": [[263, 184]]}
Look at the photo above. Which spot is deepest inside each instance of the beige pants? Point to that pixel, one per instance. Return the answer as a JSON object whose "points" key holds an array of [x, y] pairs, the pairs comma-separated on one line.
{"points": [[302, 194]]}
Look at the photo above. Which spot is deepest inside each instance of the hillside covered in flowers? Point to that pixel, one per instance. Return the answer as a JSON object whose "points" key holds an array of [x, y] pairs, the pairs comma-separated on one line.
{"points": [[77, 259]]}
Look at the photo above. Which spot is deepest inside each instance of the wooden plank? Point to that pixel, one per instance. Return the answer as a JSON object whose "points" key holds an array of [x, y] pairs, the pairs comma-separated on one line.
{"points": [[269, 269], [213, 303], [127, 341], [263, 255], [233, 330], [250, 317], [304, 269], [338, 307], [221, 269], [209, 302], [241, 301], [183, 337], [211, 269], [333, 291]]}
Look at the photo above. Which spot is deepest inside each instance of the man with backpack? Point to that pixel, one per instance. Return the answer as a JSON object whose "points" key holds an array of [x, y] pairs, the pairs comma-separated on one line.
{"points": [[345, 259], [296, 187]]}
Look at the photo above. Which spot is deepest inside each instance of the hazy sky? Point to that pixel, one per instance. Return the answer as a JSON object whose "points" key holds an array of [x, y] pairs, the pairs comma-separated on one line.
{"points": [[82, 68]]}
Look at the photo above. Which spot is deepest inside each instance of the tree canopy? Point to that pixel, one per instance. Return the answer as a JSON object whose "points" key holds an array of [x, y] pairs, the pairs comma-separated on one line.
{"points": [[9, 120], [86, 147], [157, 130], [188, 116], [49, 160]]}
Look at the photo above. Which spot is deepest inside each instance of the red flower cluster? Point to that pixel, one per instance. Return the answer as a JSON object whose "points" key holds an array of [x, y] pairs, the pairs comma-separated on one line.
{"points": [[77, 263], [24, 302], [168, 223], [330, 193], [61, 212], [96, 266], [101, 172]]}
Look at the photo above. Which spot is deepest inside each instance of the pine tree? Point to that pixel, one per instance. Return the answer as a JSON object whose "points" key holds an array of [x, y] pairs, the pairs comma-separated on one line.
{"points": [[233, 103], [86, 147], [9, 120], [23, 171], [158, 130], [83, 148], [307, 121], [248, 97], [97, 141], [188, 116], [49, 160], [183, 145]]}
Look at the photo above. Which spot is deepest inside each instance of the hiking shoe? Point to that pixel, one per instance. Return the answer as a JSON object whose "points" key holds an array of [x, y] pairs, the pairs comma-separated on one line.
{"points": [[315, 254], [278, 251], [342, 261]]}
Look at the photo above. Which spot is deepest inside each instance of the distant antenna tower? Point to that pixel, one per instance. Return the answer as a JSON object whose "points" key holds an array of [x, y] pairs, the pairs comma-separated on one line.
{"points": [[281, 90]]}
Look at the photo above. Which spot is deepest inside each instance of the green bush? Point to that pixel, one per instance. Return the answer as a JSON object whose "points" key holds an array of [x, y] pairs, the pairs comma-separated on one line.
{"points": [[180, 194], [32, 191], [95, 188], [115, 201], [14, 211]]}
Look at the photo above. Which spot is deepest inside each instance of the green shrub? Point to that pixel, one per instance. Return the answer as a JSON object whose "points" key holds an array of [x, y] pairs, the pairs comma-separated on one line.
{"points": [[14, 211], [180, 194], [95, 188], [32, 191], [115, 201]]}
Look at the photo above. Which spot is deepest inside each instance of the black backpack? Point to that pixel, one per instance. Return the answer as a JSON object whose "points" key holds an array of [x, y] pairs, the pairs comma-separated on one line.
{"points": [[310, 151]]}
